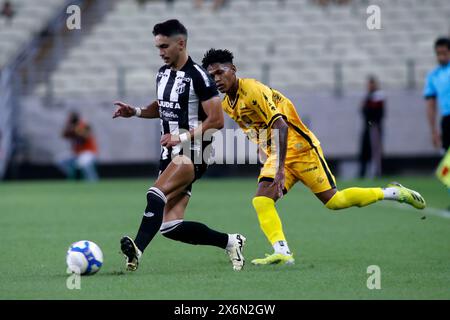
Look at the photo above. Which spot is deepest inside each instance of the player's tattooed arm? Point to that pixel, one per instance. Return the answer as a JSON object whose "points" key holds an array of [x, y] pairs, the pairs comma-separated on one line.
{"points": [[281, 128], [126, 111]]}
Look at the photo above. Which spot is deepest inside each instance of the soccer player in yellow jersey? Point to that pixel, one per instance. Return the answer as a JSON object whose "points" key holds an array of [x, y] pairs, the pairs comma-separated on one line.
{"points": [[297, 156]]}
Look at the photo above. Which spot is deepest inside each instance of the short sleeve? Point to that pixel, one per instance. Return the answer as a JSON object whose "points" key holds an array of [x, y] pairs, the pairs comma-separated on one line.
{"points": [[204, 86], [429, 90], [262, 103], [379, 96]]}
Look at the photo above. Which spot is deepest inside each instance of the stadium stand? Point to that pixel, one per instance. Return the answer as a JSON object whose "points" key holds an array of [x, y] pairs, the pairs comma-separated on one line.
{"points": [[29, 19], [319, 56], [297, 45]]}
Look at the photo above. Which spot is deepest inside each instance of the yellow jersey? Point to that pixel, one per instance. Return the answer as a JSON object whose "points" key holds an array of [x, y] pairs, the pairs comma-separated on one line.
{"points": [[255, 109]]}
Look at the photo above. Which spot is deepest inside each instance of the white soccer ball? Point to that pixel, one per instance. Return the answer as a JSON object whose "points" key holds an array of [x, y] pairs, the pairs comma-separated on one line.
{"points": [[84, 257]]}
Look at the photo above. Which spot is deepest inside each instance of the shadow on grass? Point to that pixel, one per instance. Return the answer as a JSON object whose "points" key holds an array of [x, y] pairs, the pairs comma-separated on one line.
{"points": [[98, 274]]}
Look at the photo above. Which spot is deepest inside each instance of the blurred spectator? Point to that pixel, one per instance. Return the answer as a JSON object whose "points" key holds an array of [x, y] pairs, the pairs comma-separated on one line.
{"points": [[143, 2], [217, 4], [327, 2], [84, 149], [7, 11], [437, 92], [371, 139]]}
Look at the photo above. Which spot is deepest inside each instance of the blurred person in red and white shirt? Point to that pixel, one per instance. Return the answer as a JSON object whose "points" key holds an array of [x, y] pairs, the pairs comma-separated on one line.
{"points": [[84, 149]]}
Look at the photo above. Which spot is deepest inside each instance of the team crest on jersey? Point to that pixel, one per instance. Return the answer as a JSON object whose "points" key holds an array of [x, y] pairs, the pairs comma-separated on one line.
{"points": [[181, 87]]}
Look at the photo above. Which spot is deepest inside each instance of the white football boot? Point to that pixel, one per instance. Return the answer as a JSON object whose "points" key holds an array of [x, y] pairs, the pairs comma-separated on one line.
{"points": [[235, 251]]}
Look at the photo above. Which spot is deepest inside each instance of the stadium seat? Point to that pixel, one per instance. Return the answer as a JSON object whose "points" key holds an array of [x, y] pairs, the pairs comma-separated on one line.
{"points": [[30, 17], [262, 33]]}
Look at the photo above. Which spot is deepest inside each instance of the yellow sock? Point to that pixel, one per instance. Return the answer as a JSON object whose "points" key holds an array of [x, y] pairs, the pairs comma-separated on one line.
{"points": [[268, 219], [350, 197]]}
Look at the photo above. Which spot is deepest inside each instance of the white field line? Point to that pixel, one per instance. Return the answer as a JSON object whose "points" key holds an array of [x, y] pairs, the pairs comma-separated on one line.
{"points": [[427, 211]]}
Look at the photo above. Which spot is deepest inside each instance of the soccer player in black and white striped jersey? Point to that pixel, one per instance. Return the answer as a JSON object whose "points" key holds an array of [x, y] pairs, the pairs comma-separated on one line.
{"points": [[187, 99]]}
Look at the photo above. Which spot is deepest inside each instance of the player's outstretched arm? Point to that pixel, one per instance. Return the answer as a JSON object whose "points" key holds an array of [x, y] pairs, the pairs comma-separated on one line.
{"points": [[126, 111]]}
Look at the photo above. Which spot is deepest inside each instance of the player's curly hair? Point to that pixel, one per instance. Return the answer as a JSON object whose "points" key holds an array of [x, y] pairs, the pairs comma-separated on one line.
{"points": [[217, 56], [443, 41]]}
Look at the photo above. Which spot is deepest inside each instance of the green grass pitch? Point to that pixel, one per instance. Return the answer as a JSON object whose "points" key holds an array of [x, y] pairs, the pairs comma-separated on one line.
{"points": [[39, 220]]}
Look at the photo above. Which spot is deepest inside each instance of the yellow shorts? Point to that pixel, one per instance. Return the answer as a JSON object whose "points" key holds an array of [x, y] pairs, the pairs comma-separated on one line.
{"points": [[308, 166]]}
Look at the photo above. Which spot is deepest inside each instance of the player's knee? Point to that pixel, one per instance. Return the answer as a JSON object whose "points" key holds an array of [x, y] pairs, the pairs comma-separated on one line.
{"points": [[262, 202], [182, 160]]}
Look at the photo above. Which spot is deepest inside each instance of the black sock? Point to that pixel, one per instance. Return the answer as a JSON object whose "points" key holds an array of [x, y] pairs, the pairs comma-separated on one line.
{"points": [[152, 220], [195, 233]]}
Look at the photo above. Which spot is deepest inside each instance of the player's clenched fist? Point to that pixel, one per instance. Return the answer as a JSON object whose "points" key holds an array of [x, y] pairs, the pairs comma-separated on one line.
{"points": [[124, 110]]}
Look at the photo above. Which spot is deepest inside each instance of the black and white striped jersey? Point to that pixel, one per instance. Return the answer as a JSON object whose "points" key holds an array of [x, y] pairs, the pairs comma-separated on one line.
{"points": [[180, 94]]}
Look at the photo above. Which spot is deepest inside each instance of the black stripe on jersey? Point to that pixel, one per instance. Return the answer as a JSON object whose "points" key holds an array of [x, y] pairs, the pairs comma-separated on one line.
{"points": [[158, 79], [166, 129], [275, 117], [304, 135], [327, 172], [183, 100], [169, 85], [322, 161]]}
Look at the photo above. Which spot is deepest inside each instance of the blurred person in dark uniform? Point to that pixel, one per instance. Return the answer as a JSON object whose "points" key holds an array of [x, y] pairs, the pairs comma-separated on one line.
{"points": [[7, 11], [371, 140]]}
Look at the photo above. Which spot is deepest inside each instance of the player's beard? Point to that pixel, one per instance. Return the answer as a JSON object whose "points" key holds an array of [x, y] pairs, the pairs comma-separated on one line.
{"points": [[170, 64], [173, 63]]}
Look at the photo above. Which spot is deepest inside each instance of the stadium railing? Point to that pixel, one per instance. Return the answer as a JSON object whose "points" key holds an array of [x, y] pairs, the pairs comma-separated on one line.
{"points": [[8, 116]]}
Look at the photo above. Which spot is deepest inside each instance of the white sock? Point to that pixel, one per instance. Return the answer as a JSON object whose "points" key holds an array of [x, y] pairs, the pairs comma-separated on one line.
{"points": [[281, 247], [390, 193], [231, 241]]}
